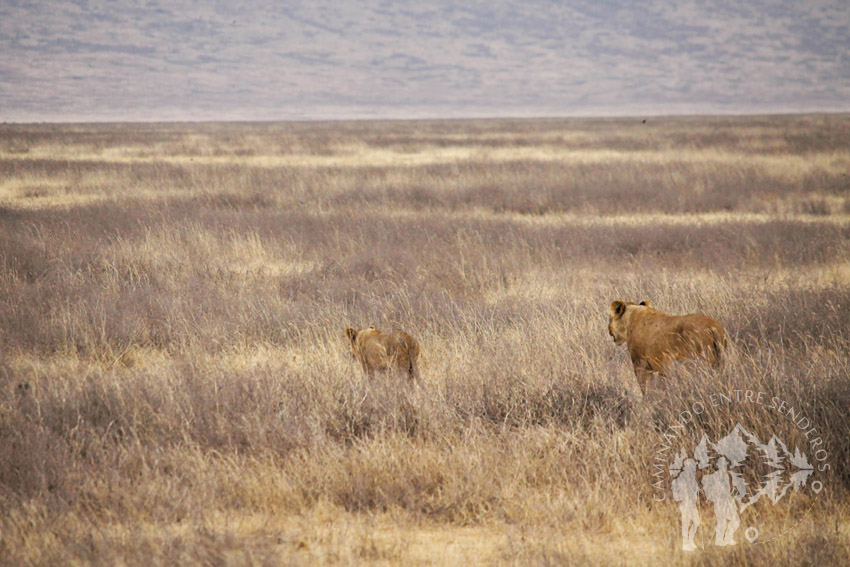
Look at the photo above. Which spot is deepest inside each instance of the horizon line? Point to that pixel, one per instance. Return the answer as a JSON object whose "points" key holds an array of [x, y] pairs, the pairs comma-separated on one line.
{"points": [[434, 118]]}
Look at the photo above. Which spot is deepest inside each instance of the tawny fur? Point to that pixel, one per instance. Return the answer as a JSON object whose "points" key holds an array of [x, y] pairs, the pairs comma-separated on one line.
{"points": [[654, 339], [384, 352]]}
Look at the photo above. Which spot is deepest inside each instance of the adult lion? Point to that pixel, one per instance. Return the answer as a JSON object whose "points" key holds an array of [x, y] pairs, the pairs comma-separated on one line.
{"points": [[654, 338], [379, 351]]}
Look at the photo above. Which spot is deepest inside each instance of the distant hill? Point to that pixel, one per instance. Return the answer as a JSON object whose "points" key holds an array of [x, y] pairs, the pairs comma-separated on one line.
{"points": [[171, 60]]}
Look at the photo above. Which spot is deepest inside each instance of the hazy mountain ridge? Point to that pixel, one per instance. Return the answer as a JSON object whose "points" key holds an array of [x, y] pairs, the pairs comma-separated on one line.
{"points": [[304, 59]]}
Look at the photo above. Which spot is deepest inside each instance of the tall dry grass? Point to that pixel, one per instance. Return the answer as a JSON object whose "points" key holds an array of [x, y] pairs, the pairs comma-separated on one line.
{"points": [[175, 387]]}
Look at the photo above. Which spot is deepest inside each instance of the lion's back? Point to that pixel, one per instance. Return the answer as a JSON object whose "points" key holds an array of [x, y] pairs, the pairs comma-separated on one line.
{"points": [[405, 343], [384, 350], [658, 337]]}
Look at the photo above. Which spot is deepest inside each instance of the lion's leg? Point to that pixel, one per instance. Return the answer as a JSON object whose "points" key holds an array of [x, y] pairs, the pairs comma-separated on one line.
{"points": [[367, 370], [414, 373], [642, 373]]}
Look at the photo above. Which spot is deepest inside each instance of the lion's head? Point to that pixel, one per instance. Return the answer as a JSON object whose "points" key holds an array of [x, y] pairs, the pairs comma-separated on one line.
{"points": [[618, 324], [354, 346]]}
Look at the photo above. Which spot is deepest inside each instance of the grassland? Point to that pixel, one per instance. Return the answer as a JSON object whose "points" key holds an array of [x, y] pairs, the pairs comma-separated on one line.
{"points": [[175, 386]]}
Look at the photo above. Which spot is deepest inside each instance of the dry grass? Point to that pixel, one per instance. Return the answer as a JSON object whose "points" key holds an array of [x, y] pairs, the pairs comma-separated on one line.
{"points": [[175, 387]]}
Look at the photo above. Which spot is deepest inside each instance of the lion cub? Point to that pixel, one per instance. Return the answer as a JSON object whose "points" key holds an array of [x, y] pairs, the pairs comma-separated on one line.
{"points": [[654, 338], [376, 350]]}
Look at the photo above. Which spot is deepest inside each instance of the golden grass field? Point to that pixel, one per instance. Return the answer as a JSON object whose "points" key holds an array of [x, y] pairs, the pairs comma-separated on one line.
{"points": [[175, 385]]}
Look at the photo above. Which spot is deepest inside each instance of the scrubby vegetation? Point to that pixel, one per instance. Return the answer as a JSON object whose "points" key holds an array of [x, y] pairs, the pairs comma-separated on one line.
{"points": [[175, 385]]}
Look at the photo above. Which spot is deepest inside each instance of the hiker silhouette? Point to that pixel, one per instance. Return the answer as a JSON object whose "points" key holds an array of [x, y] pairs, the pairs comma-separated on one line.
{"points": [[718, 490], [686, 493]]}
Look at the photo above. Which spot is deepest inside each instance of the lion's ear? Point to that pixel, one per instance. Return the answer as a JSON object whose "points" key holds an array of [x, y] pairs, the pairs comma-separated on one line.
{"points": [[645, 303], [618, 308], [350, 333]]}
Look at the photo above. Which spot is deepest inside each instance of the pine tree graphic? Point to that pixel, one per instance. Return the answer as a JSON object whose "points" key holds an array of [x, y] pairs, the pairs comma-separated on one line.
{"points": [[719, 471], [784, 469]]}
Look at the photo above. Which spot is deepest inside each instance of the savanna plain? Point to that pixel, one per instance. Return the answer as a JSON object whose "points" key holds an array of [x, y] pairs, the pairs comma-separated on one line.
{"points": [[176, 388]]}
